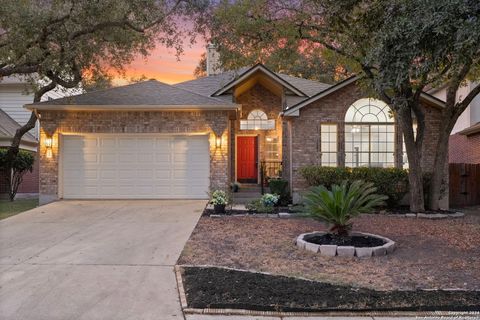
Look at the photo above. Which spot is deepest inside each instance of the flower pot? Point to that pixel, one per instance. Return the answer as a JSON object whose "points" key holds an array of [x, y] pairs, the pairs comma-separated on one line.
{"points": [[219, 208]]}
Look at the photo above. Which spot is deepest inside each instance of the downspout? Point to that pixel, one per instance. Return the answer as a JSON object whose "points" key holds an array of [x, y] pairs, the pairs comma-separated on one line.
{"points": [[290, 155]]}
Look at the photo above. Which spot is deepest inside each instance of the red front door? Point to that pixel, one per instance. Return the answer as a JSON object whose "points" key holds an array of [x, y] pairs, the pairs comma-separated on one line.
{"points": [[247, 159]]}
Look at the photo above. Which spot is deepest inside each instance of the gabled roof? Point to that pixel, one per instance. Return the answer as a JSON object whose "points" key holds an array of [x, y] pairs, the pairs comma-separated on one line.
{"points": [[8, 128], [208, 86], [295, 109], [151, 94], [251, 71]]}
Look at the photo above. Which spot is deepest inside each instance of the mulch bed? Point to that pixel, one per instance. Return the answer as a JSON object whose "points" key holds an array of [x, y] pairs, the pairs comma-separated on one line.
{"points": [[430, 254], [355, 241], [232, 289]]}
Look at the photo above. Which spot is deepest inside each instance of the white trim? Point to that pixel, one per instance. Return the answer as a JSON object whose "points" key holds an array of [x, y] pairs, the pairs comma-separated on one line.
{"points": [[258, 152], [435, 101], [295, 110], [41, 107], [250, 72]]}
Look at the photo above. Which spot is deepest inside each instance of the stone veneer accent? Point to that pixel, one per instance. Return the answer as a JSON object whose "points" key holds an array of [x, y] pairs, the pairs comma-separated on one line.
{"points": [[332, 109], [54, 123]]}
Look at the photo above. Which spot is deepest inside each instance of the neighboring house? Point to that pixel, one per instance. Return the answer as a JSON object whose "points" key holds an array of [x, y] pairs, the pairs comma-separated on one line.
{"points": [[464, 146], [8, 127], [154, 140], [464, 142], [15, 93]]}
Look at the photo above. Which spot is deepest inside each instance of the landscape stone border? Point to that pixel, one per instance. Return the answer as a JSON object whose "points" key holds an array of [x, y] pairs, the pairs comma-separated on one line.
{"points": [[346, 251], [457, 214]]}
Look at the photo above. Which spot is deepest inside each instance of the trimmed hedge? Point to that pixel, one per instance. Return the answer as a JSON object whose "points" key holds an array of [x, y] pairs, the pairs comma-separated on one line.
{"points": [[392, 182]]}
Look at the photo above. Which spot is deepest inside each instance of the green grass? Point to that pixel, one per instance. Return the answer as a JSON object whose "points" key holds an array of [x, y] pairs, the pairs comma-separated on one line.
{"points": [[10, 208]]}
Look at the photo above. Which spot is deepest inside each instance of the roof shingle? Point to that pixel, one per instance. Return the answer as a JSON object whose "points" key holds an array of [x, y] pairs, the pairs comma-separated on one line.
{"points": [[148, 93]]}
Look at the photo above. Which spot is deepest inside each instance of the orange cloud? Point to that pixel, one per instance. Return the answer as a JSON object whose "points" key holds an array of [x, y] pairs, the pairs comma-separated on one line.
{"points": [[163, 65]]}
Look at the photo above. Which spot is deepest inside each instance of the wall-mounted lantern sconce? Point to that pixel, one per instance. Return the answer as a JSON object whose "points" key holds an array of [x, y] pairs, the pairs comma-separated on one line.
{"points": [[218, 142], [48, 142]]}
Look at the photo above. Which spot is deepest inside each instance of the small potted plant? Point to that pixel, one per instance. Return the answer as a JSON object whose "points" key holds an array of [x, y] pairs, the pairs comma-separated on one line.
{"points": [[219, 201], [234, 186]]}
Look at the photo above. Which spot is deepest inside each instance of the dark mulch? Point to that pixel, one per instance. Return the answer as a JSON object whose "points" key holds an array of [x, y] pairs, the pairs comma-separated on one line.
{"points": [[221, 288], [430, 254], [356, 241]]}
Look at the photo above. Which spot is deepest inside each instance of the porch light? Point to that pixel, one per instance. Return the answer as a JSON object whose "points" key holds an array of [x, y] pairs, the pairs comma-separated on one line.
{"points": [[48, 142], [218, 142]]}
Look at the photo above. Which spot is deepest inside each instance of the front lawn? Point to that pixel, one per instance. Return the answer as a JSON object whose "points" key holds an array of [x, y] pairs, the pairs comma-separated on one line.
{"points": [[9, 208], [430, 254]]}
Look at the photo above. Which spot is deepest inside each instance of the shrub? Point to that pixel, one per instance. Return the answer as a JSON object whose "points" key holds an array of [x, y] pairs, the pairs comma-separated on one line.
{"points": [[392, 182], [343, 202], [279, 186], [219, 197], [20, 165], [324, 176], [265, 204]]}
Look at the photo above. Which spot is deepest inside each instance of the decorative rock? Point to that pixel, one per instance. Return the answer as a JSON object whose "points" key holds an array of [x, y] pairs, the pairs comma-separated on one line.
{"points": [[215, 216], [284, 214], [301, 243], [457, 214], [379, 251], [328, 250], [312, 247], [390, 246], [363, 252], [410, 215], [345, 251]]}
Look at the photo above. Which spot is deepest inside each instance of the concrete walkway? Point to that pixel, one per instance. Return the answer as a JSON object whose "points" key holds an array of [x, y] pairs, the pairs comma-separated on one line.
{"points": [[94, 260]]}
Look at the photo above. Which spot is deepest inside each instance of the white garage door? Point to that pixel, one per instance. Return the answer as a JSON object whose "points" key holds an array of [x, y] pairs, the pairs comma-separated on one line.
{"points": [[135, 167]]}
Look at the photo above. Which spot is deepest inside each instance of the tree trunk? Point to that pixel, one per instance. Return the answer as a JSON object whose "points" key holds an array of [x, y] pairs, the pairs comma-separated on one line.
{"points": [[438, 172], [415, 172], [14, 147]]}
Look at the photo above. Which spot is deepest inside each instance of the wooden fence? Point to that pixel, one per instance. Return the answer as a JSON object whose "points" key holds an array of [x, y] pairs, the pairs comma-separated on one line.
{"points": [[464, 181]]}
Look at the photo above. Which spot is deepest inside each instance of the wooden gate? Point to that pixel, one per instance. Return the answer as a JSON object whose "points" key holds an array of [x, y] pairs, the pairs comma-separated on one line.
{"points": [[464, 180]]}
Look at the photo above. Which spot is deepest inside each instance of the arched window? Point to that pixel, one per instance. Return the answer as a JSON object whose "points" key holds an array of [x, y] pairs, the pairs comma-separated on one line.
{"points": [[369, 134], [257, 120]]}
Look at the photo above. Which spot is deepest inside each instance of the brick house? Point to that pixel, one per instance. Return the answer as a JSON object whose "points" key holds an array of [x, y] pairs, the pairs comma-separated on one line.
{"points": [[464, 146], [153, 140]]}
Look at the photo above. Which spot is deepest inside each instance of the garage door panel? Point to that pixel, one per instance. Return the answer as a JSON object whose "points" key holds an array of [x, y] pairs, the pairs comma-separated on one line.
{"points": [[129, 166]]}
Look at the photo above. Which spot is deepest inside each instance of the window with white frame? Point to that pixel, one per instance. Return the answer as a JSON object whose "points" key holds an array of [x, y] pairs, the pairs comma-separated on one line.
{"points": [[369, 134], [328, 145], [257, 120], [272, 149]]}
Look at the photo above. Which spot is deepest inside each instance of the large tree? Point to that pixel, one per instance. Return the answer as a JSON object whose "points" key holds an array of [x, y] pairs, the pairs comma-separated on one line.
{"points": [[400, 47], [61, 43]]}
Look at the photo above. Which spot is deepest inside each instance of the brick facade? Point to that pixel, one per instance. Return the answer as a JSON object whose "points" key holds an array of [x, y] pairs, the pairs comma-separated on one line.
{"points": [[464, 149], [53, 123], [332, 109], [262, 99]]}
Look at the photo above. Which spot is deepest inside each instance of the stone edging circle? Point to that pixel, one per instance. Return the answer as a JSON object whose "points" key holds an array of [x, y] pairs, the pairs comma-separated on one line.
{"points": [[346, 251]]}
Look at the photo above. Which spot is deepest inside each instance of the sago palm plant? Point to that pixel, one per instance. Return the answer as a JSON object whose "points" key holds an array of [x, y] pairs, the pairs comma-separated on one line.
{"points": [[342, 203]]}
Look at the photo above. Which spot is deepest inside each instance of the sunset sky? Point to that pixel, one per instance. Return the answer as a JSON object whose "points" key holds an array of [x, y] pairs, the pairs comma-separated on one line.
{"points": [[162, 64]]}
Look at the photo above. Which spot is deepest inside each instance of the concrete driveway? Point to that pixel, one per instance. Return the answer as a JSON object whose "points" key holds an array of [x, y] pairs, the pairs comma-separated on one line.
{"points": [[94, 260]]}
